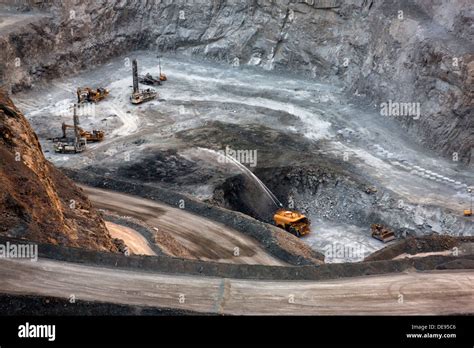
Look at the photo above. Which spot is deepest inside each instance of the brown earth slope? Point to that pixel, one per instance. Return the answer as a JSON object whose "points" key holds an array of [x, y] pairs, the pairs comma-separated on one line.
{"points": [[37, 202]]}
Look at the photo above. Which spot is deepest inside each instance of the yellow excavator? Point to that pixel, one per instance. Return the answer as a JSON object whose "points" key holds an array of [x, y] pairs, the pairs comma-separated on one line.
{"points": [[89, 95], [94, 136], [292, 221]]}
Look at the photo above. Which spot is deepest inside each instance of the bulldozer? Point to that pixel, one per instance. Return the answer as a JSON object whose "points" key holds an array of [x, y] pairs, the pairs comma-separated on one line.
{"points": [[382, 233], [94, 136], [88, 95], [71, 145], [292, 221], [138, 96]]}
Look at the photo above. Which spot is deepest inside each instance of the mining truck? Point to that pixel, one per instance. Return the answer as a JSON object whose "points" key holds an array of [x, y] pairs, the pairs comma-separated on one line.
{"points": [[382, 233], [292, 221], [138, 96], [88, 95]]}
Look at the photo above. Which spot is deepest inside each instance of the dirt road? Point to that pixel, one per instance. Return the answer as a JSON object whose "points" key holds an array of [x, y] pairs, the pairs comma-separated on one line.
{"points": [[137, 243], [443, 292], [204, 239]]}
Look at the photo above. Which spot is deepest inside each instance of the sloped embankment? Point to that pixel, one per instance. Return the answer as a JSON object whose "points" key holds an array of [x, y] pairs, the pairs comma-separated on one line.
{"points": [[37, 202], [422, 245]]}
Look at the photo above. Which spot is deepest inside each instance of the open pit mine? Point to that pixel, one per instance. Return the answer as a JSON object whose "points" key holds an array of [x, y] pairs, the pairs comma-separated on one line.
{"points": [[252, 157]]}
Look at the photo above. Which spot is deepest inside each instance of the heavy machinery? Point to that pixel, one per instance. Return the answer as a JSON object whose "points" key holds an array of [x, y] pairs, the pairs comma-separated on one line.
{"points": [[382, 233], [148, 79], [162, 76], [138, 96], [292, 221], [94, 136], [468, 212], [88, 95], [71, 145]]}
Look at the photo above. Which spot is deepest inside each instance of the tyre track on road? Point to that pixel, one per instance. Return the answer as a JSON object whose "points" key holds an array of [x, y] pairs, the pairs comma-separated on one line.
{"points": [[427, 293]]}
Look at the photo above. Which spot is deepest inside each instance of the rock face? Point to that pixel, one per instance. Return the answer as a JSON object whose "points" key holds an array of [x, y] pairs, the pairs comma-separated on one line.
{"points": [[418, 51], [37, 202], [332, 195]]}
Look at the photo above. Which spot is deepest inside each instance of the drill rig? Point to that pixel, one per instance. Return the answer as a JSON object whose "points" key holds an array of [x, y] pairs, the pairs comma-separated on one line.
{"points": [[162, 76], [142, 96], [150, 80], [71, 145]]}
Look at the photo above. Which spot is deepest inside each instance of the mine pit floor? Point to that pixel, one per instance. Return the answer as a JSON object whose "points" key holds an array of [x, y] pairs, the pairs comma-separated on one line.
{"points": [[288, 120]]}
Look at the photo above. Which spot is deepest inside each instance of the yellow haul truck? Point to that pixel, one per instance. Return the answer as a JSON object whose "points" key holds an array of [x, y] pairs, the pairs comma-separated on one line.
{"points": [[292, 221]]}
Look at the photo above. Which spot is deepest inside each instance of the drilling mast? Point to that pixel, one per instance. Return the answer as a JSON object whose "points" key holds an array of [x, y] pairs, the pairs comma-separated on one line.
{"points": [[135, 77], [138, 96], [75, 120], [65, 145]]}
